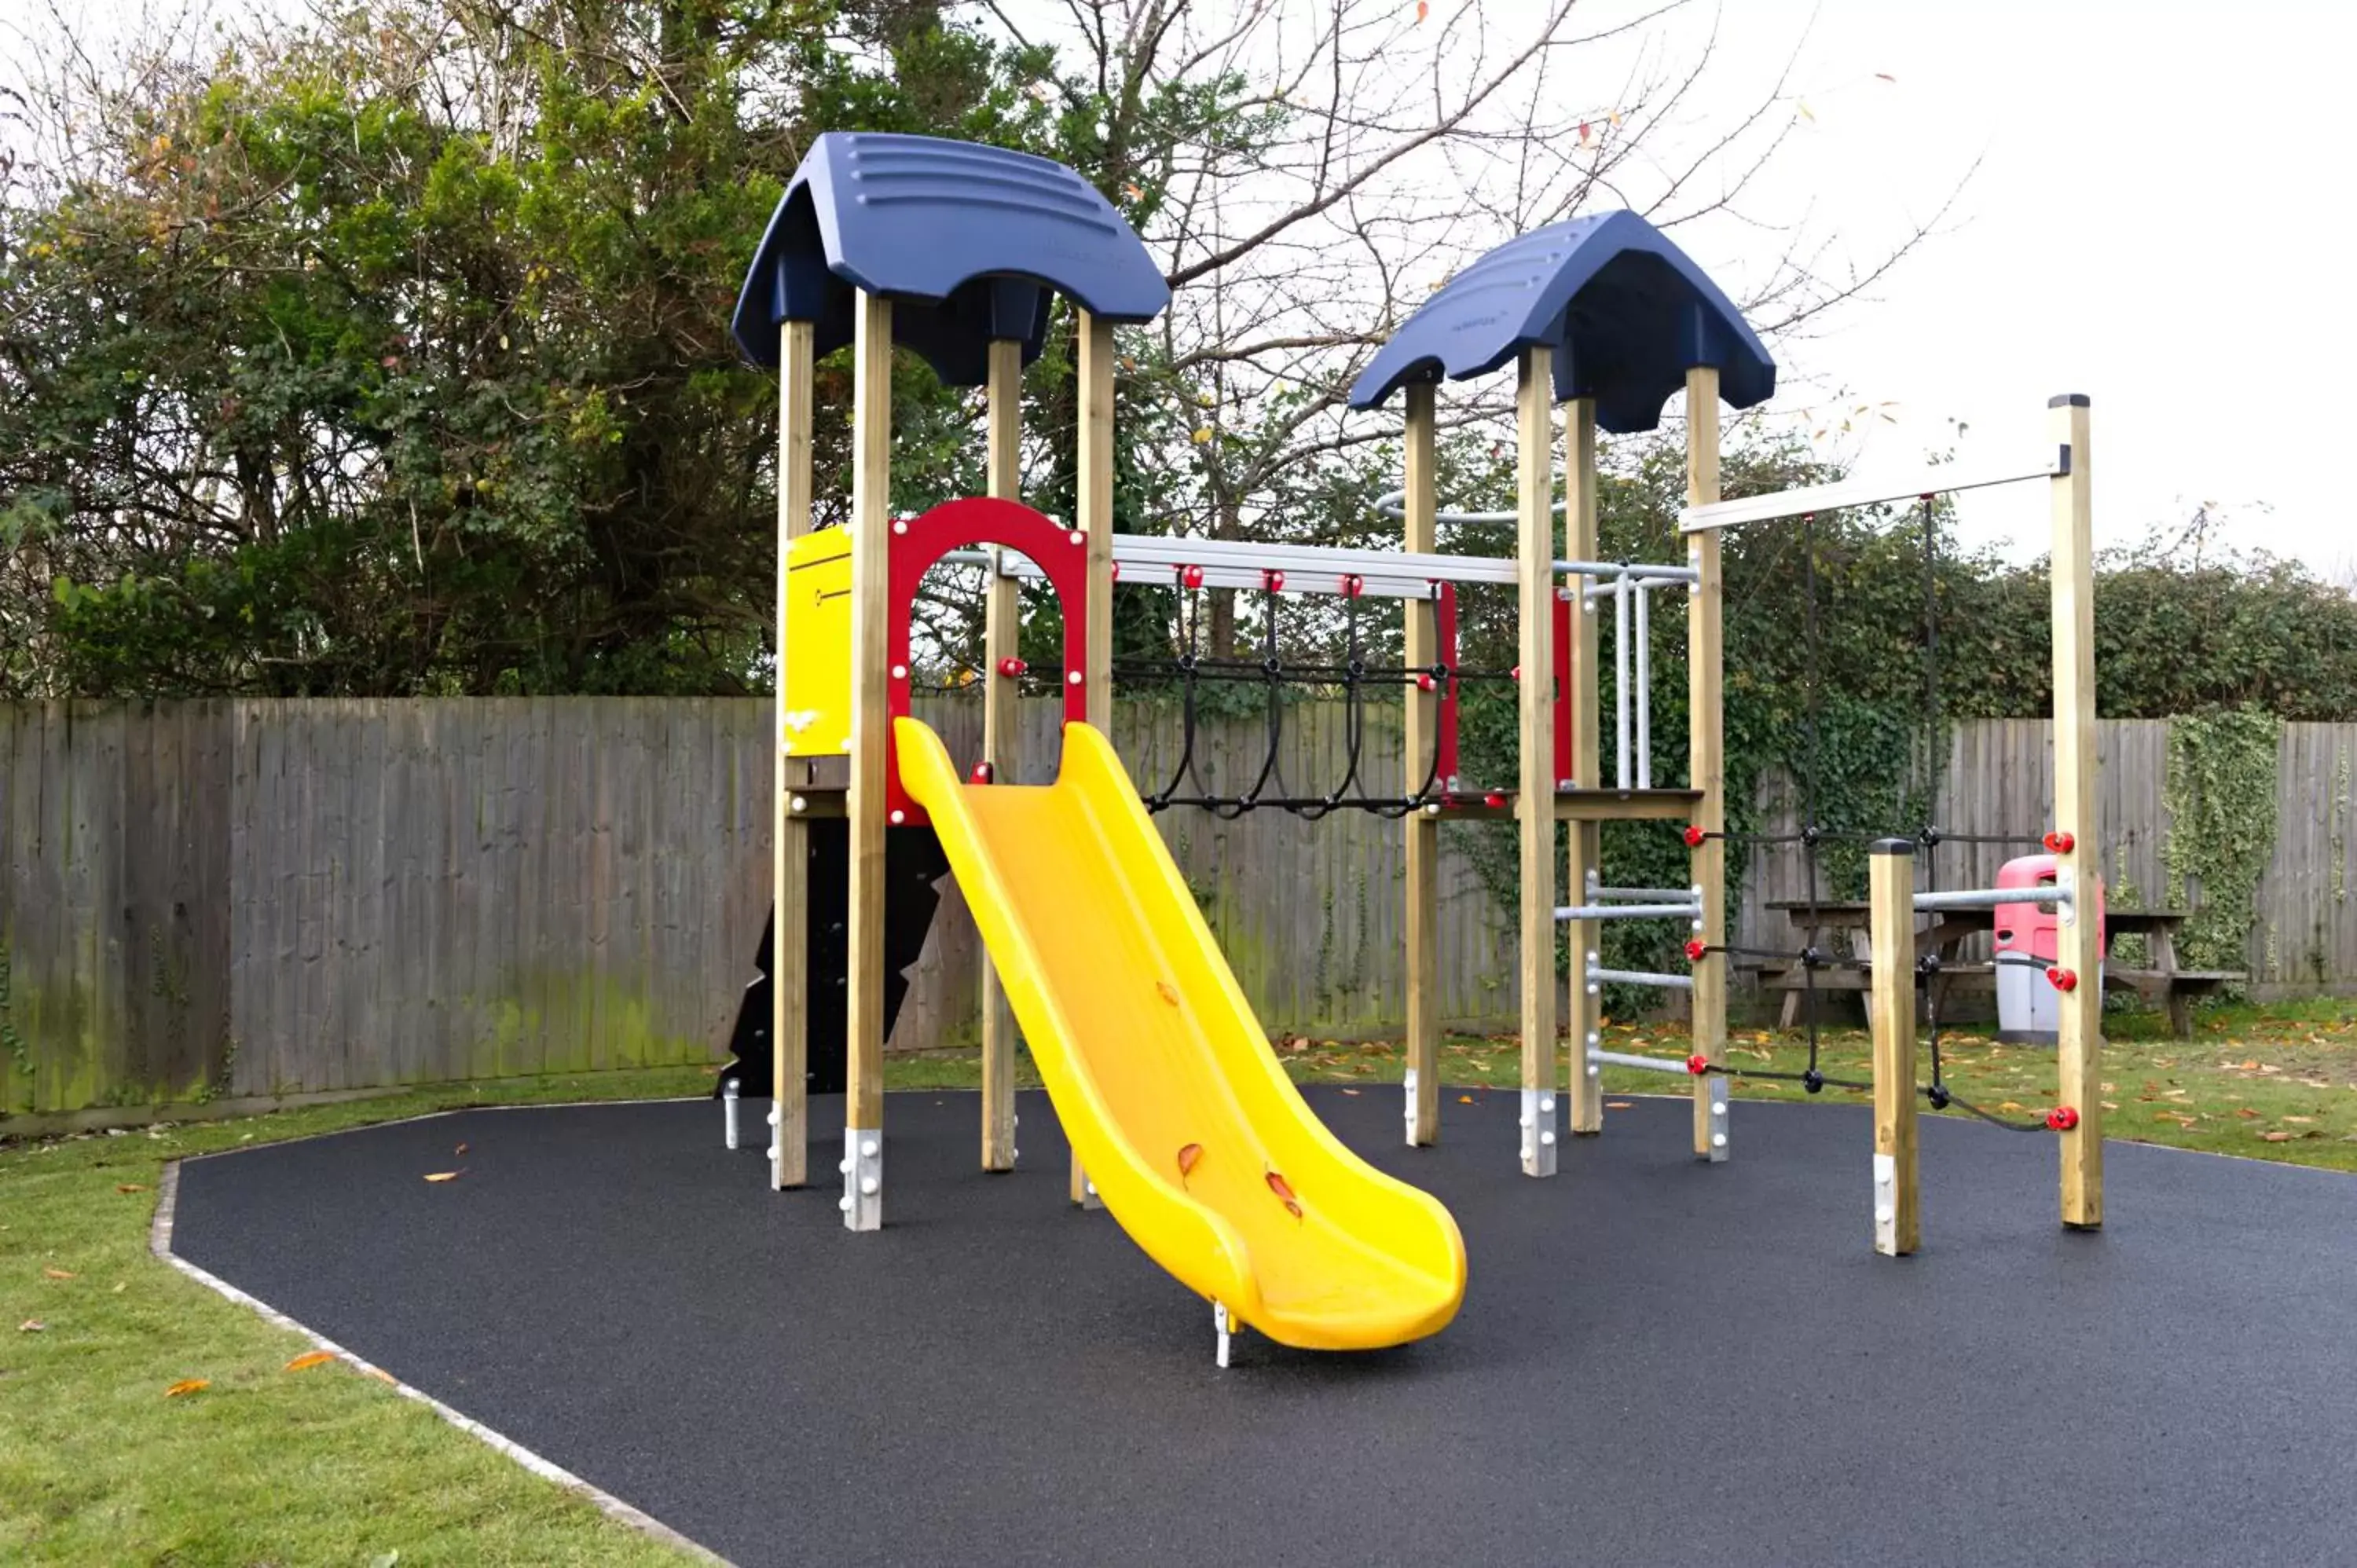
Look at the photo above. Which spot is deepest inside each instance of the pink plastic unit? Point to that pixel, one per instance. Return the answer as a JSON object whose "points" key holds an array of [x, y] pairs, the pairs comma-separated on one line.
{"points": [[2030, 930]]}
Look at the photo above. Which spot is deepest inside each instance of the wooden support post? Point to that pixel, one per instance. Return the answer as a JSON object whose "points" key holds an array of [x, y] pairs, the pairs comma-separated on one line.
{"points": [[1094, 504], [2079, 1041], [871, 520], [1423, 718], [1581, 1014], [790, 832], [1891, 928], [1708, 748], [1001, 728], [1534, 798]]}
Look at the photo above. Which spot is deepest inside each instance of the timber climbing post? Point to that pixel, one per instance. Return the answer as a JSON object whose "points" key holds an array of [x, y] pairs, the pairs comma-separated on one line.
{"points": [[1001, 730], [1422, 830], [1890, 931], [871, 519], [1534, 800], [1095, 507], [789, 829], [1708, 748], [2079, 949], [1583, 1012]]}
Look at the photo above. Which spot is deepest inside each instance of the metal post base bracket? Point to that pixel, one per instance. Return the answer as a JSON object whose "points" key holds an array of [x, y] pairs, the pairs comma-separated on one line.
{"points": [[1221, 1326], [1538, 1131], [1886, 1204], [728, 1109], [863, 1178], [1408, 1082], [1716, 1086]]}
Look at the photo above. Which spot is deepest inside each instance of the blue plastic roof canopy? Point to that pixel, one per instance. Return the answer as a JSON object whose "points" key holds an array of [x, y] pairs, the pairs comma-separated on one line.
{"points": [[968, 241], [1626, 312]]}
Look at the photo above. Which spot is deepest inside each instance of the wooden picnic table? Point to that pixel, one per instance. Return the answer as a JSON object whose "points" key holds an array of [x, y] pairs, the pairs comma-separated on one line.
{"points": [[2161, 981]]}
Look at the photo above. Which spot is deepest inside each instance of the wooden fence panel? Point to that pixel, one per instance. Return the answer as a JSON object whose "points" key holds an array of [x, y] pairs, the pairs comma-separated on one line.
{"points": [[255, 898]]}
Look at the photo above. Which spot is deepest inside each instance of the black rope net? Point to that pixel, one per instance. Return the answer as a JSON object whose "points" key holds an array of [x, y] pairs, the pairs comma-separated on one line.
{"points": [[1357, 675], [1813, 833]]}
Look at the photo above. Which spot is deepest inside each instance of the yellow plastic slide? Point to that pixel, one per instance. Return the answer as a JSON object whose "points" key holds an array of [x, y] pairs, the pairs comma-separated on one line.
{"points": [[1199, 1144]]}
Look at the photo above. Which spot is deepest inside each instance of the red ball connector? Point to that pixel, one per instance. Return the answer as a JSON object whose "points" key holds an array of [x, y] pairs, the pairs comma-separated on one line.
{"points": [[1353, 586], [1697, 1064], [1495, 797], [2061, 842], [982, 774], [1192, 577], [2063, 1118], [1696, 950], [1426, 683], [1011, 667], [1694, 837], [2063, 978]]}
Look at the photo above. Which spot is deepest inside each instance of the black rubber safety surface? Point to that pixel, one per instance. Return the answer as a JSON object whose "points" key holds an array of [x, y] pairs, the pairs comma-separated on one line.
{"points": [[1658, 1361]]}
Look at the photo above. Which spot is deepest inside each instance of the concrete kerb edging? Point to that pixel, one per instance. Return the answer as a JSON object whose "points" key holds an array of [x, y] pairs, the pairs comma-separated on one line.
{"points": [[159, 1242]]}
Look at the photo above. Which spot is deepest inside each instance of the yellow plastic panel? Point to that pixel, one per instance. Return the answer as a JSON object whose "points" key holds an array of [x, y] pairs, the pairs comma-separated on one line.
{"points": [[817, 684], [1148, 1047]]}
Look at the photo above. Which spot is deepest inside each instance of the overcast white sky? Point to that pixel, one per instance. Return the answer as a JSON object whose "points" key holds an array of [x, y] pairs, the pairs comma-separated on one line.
{"points": [[2158, 222]]}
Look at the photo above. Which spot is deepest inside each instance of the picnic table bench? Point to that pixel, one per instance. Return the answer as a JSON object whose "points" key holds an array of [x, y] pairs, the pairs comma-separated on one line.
{"points": [[1816, 924]]}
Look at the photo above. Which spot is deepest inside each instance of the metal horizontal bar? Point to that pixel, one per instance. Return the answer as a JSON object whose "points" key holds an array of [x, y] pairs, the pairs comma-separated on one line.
{"points": [[1372, 586], [1642, 977], [1993, 898], [1645, 894], [1412, 573], [1393, 503], [1650, 1063], [1627, 911], [1606, 590], [1934, 481]]}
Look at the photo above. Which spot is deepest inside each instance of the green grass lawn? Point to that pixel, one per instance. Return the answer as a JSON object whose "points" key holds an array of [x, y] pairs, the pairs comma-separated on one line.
{"points": [[262, 1465]]}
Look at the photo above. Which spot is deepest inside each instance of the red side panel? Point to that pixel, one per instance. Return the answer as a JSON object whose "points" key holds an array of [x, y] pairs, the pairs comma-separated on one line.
{"points": [[918, 543]]}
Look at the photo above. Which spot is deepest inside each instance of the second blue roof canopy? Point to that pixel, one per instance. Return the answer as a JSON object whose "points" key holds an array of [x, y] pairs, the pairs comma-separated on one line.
{"points": [[1626, 312]]}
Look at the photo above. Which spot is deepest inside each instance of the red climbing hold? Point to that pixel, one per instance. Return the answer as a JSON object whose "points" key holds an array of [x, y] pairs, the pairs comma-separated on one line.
{"points": [[2063, 1118]]}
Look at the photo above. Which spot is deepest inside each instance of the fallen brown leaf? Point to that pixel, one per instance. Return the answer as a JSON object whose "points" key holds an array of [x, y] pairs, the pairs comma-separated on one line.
{"points": [[2246, 1113], [187, 1386], [1170, 992], [1620, 1105], [459, 1150], [2301, 1119], [380, 1375], [32, 1326], [1464, 1100], [1350, 1091], [442, 1176], [129, 1187], [2275, 1137], [1190, 1156], [310, 1358], [60, 1273]]}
